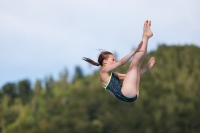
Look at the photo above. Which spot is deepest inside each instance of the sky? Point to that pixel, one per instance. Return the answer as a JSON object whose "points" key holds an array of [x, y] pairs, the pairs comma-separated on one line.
{"points": [[42, 38]]}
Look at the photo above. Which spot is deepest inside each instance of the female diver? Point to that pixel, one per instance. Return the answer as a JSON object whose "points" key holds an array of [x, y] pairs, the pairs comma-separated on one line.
{"points": [[125, 86]]}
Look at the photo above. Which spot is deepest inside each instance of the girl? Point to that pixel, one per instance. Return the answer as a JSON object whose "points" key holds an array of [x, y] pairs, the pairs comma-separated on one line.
{"points": [[125, 86]]}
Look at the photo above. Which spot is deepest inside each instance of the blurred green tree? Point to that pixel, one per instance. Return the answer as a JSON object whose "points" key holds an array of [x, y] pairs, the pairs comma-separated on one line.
{"points": [[25, 91], [78, 74], [10, 90]]}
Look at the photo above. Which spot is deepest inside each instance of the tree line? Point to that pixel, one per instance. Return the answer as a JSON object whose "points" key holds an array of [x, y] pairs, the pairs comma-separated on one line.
{"points": [[168, 102]]}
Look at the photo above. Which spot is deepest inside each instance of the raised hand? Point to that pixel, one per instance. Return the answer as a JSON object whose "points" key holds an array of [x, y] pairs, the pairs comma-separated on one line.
{"points": [[150, 63], [138, 49]]}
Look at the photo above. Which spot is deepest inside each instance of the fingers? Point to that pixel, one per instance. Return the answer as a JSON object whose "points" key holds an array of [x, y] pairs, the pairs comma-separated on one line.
{"points": [[152, 58], [139, 45], [151, 62]]}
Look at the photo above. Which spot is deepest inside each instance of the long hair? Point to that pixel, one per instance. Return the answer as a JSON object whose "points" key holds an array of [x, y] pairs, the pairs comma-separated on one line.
{"points": [[103, 55]]}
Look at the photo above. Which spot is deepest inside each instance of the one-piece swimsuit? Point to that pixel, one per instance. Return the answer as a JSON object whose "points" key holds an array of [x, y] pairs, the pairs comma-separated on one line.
{"points": [[114, 85]]}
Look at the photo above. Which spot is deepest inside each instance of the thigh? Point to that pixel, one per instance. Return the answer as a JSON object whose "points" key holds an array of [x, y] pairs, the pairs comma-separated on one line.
{"points": [[129, 87]]}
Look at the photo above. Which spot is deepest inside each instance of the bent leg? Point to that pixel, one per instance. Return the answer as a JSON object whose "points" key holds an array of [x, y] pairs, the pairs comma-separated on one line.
{"points": [[131, 81], [130, 86]]}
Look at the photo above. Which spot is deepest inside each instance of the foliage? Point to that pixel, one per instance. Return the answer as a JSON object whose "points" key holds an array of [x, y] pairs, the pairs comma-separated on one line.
{"points": [[168, 102]]}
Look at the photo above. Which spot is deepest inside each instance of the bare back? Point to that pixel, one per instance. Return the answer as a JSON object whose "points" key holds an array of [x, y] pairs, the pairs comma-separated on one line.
{"points": [[104, 77]]}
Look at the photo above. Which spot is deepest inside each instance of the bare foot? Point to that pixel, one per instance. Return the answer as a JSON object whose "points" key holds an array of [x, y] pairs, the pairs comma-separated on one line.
{"points": [[146, 30]]}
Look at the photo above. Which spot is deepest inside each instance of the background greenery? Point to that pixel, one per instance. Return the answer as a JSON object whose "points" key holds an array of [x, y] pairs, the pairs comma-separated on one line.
{"points": [[169, 100]]}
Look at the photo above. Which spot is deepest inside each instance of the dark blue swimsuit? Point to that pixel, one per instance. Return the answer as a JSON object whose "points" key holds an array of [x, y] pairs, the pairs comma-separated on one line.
{"points": [[114, 85]]}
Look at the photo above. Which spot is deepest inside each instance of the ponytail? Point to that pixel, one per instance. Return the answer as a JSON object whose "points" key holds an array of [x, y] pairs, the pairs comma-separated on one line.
{"points": [[103, 55], [90, 61]]}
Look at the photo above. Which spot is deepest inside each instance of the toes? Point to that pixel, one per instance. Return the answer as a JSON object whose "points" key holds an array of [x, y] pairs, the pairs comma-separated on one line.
{"points": [[146, 22], [149, 22]]}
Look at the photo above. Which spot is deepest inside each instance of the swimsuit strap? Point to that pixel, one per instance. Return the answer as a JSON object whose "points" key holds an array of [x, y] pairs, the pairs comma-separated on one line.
{"points": [[108, 81]]}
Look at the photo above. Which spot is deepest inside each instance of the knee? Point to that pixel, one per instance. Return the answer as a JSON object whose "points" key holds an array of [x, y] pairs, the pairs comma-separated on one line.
{"points": [[134, 64], [129, 92]]}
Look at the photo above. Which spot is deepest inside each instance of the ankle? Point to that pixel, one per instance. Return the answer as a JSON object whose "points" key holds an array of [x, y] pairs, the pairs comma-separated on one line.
{"points": [[145, 37]]}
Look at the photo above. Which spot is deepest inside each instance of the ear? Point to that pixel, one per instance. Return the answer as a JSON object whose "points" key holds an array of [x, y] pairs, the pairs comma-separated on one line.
{"points": [[104, 61]]}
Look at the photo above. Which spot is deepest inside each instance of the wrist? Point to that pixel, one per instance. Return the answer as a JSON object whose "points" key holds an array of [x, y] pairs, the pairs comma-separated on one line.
{"points": [[134, 51]]}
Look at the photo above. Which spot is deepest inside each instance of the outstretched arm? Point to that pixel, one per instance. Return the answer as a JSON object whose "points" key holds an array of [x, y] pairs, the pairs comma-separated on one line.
{"points": [[123, 60], [142, 71]]}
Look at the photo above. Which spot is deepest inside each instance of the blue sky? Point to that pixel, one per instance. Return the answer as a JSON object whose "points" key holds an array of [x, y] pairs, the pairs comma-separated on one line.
{"points": [[42, 37]]}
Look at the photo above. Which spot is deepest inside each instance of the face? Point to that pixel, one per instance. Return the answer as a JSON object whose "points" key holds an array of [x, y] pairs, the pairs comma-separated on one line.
{"points": [[110, 60]]}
